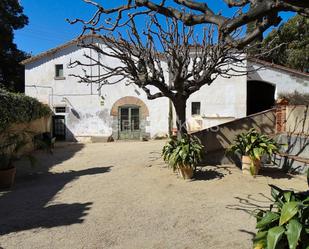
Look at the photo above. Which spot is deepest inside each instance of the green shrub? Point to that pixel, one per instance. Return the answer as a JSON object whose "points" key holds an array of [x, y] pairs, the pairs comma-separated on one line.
{"points": [[18, 108]]}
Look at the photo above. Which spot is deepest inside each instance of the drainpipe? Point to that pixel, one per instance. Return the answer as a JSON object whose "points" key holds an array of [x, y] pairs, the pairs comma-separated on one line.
{"points": [[170, 111], [50, 100]]}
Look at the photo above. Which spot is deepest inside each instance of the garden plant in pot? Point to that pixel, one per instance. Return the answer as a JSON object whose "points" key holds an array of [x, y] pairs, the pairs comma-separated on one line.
{"points": [[9, 152], [252, 146], [183, 154]]}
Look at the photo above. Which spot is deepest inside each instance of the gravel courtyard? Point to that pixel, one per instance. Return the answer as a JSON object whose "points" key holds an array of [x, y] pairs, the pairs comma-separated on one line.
{"points": [[121, 196]]}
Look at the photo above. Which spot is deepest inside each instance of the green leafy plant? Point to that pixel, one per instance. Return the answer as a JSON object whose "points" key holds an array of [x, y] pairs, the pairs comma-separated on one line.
{"points": [[18, 108], [185, 152], [168, 149], [286, 224], [254, 145]]}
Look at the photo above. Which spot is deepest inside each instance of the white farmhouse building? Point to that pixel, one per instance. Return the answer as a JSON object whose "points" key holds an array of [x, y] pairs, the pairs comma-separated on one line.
{"points": [[82, 112]]}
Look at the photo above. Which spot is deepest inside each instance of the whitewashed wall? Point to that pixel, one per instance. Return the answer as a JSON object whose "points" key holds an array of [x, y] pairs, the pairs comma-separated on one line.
{"points": [[91, 114], [222, 101], [285, 82]]}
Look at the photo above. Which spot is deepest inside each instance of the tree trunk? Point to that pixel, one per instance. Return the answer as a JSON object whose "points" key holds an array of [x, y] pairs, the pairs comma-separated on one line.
{"points": [[180, 108]]}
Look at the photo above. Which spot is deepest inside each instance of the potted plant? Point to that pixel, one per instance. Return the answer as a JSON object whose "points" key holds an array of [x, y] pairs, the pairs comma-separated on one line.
{"points": [[167, 151], [183, 154], [252, 146], [10, 152]]}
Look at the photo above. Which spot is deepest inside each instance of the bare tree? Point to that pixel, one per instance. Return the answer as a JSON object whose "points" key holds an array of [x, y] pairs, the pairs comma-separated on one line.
{"points": [[163, 60], [265, 13], [192, 62]]}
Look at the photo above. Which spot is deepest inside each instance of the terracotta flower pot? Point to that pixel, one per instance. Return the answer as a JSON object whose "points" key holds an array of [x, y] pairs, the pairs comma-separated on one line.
{"points": [[7, 177], [257, 166], [246, 164], [186, 172]]}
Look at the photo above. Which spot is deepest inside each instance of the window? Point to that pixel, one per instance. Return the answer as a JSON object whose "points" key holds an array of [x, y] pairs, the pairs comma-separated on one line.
{"points": [[59, 71], [60, 109], [196, 108]]}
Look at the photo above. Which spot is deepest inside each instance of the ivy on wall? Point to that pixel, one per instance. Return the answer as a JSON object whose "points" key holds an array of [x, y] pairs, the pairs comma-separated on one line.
{"points": [[19, 108]]}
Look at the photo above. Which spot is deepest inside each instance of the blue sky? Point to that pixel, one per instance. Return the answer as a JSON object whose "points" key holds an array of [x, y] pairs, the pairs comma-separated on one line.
{"points": [[48, 27]]}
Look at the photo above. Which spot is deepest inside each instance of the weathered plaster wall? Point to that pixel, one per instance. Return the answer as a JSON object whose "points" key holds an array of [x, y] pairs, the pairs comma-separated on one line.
{"points": [[222, 101], [88, 109], [285, 82], [88, 113], [28, 131], [297, 119]]}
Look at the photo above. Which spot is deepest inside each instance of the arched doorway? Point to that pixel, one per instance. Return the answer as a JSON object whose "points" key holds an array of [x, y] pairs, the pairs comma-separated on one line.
{"points": [[260, 96], [129, 118]]}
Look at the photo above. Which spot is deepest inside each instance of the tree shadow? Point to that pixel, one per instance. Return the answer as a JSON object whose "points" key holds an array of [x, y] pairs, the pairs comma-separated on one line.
{"points": [[210, 173], [250, 203], [27, 207], [29, 203]]}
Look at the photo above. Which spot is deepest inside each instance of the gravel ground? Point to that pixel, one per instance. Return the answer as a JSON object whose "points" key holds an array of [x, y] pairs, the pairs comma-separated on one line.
{"points": [[121, 195]]}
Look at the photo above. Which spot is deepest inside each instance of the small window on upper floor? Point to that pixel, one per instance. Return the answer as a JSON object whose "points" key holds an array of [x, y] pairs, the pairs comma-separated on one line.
{"points": [[60, 109], [196, 108], [59, 71]]}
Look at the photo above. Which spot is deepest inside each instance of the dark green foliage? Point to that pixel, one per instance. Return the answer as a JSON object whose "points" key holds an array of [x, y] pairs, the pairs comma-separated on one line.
{"points": [[286, 224], [296, 98], [11, 72], [183, 152], [18, 108], [253, 144], [294, 34]]}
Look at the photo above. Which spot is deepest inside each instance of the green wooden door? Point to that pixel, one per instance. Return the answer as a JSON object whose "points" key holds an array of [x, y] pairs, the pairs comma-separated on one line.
{"points": [[129, 119]]}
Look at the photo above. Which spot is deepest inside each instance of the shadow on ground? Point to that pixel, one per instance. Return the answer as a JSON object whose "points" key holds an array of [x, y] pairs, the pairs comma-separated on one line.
{"points": [[250, 203], [205, 173], [25, 206], [275, 173]]}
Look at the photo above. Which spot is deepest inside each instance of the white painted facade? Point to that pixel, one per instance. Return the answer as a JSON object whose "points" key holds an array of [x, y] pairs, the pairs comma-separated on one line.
{"points": [[285, 81], [88, 110]]}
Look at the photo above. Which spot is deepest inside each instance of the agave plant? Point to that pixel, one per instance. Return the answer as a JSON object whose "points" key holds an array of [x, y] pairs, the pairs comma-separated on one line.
{"points": [[286, 224], [254, 145]]}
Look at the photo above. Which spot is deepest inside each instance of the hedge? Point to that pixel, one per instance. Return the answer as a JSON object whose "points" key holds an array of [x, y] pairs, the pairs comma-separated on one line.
{"points": [[19, 108]]}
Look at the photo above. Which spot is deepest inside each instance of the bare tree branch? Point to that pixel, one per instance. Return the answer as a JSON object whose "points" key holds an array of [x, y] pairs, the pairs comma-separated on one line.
{"points": [[192, 12]]}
